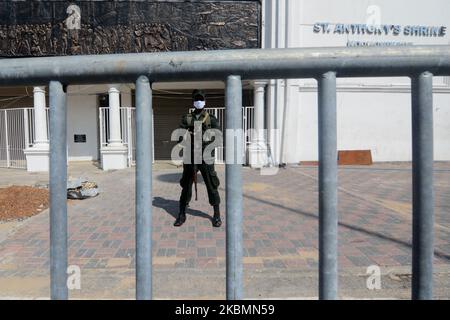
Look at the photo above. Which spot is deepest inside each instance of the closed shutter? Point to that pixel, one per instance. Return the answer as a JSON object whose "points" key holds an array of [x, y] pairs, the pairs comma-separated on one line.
{"points": [[167, 116], [167, 113]]}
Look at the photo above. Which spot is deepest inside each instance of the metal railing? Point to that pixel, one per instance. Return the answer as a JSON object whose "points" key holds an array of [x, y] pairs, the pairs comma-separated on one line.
{"points": [[127, 130], [128, 124], [13, 137], [16, 134], [419, 63]]}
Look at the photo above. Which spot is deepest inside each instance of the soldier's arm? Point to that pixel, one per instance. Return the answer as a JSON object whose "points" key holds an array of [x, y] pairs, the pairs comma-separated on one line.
{"points": [[214, 123], [183, 125]]}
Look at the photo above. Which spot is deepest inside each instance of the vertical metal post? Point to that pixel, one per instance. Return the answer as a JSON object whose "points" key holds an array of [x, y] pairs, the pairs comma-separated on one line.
{"points": [[143, 189], [58, 191], [26, 127], [328, 220], [129, 136], [8, 156], [233, 177], [100, 125], [153, 136], [422, 179]]}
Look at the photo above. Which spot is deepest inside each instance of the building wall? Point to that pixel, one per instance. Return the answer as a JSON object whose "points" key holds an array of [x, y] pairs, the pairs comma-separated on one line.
{"points": [[82, 118], [66, 27], [388, 138], [373, 113]]}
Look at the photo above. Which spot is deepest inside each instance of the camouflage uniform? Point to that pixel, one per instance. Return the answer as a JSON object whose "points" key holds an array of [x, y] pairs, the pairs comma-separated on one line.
{"points": [[207, 170]]}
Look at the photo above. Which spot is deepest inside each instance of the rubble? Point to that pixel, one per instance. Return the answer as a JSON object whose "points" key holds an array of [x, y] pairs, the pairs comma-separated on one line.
{"points": [[81, 189]]}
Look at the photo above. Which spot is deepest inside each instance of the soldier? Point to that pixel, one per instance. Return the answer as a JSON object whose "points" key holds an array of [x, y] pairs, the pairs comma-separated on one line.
{"points": [[206, 167]]}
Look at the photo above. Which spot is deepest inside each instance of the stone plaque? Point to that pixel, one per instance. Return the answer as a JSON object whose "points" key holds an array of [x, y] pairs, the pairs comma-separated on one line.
{"points": [[79, 138]]}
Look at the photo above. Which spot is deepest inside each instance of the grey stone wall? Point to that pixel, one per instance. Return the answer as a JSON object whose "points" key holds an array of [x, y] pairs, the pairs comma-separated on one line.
{"points": [[46, 28]]}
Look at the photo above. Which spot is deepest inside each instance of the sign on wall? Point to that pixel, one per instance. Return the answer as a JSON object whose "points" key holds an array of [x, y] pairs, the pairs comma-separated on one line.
{"points": [[407, 31], [79, 138]]}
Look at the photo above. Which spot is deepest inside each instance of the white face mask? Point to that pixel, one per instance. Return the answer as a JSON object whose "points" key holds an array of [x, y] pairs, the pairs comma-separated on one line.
{"points": [[199, 104]]}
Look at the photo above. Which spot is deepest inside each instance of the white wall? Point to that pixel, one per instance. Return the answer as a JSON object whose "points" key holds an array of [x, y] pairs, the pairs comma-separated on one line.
{"points": [[399, 12], [380, 122], [82, 118], [441, 104], [373, 113]]}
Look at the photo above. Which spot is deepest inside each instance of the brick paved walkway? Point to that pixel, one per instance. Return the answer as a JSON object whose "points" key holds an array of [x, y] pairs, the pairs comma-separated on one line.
{"points": [[280, 235]]}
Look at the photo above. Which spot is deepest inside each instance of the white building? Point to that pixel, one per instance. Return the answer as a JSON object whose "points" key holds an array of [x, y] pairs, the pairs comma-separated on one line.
{"points": [[372, 114]]}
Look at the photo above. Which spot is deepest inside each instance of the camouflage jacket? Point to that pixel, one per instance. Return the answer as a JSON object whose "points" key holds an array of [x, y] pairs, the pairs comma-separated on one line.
{"points": [[208, 121]]}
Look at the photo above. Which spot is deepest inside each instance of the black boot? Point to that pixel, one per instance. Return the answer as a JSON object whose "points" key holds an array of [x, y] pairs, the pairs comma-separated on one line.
{"points": [[216, 222], [181, 216]]}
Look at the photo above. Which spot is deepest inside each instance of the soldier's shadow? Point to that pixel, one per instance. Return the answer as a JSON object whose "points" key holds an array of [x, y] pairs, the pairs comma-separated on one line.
{"points": [[172, 208]]}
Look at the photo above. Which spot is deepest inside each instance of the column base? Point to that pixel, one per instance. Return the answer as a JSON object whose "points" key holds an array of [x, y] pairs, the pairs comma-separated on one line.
{"points": [[38, 158], [114, 158], [257, 155]]}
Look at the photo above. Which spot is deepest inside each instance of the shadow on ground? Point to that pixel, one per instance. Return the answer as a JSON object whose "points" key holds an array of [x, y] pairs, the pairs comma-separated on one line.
{"points": [[406, 244], [172, 208], [175, 177]]}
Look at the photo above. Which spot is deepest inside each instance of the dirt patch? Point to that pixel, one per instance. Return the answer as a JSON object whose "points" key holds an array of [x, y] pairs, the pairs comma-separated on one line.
{"points": [[19, 202]]}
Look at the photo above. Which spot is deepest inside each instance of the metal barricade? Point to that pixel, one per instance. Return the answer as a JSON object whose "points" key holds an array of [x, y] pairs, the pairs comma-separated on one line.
{"points": [[420, 63]]}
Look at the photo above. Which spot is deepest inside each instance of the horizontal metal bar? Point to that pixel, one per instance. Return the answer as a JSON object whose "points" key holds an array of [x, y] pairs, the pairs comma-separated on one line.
{"points": [[218, 64]]}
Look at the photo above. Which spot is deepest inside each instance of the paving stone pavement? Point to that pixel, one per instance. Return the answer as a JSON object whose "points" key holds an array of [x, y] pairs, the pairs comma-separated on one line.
{"points": [[280, 235]]}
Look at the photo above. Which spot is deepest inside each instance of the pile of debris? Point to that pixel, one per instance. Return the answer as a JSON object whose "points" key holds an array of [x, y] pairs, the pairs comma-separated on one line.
{"points": [[20, 202], [81, 189]]}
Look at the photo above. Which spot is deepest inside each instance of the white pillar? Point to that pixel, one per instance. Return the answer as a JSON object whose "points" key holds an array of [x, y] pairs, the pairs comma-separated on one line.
{"points": [[38, 155], [40, 116], [259, 89], [114, 155], [114, 117], [258, 147]]}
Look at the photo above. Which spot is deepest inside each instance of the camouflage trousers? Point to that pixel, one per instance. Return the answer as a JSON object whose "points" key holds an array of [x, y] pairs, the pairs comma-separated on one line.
{"points": [[210, 178]]}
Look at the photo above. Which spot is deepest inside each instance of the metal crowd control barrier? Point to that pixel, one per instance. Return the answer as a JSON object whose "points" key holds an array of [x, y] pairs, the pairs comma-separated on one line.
{"points": [[420, 63]]}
